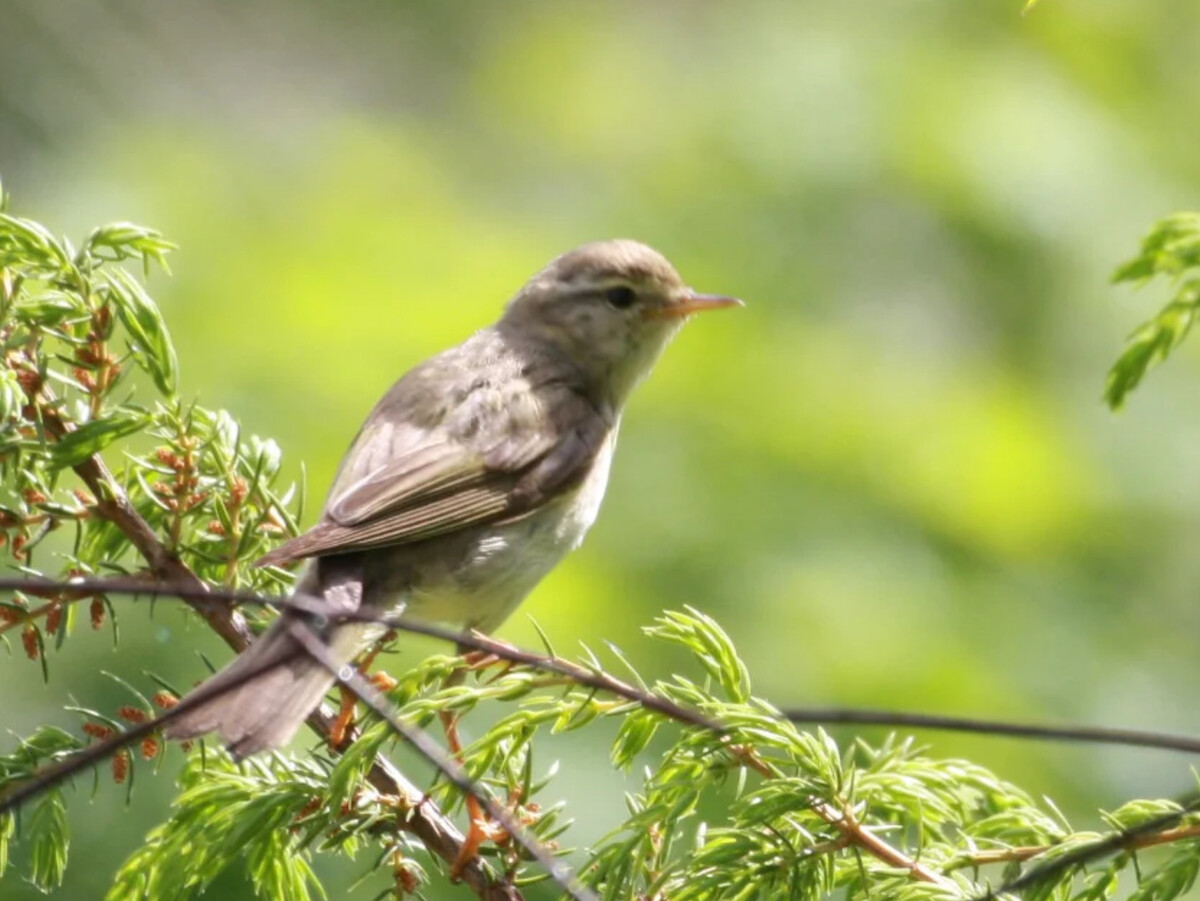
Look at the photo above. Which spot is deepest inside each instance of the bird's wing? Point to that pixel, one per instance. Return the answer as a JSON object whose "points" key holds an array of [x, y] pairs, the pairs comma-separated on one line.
{"points": [[402, 483], [408, 466]]}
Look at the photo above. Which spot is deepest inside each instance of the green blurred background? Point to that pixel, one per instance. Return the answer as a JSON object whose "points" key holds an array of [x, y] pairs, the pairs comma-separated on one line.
{"points": [[890, 476]]}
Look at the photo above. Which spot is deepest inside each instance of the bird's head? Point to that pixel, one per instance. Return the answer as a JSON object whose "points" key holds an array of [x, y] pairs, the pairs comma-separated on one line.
{"points": [[610, 307]]}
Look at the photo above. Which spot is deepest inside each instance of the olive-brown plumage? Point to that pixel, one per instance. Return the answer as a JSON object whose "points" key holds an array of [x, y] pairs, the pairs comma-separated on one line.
{"points": [[471, 478]]}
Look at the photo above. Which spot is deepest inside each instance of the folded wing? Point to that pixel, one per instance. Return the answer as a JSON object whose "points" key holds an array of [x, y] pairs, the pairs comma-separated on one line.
{"points": [[401, 483]]}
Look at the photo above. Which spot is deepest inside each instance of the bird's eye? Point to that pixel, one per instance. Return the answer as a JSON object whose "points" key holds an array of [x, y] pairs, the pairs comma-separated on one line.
{"points": [[621, 297]]}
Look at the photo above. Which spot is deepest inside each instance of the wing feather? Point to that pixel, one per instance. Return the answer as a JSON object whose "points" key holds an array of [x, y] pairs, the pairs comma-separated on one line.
{"points": [[496, 453], [437, 517], [426, 471]]}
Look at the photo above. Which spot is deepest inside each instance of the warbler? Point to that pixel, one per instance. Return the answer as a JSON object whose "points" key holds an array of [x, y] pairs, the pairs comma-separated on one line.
{"points": [[470, 480]]}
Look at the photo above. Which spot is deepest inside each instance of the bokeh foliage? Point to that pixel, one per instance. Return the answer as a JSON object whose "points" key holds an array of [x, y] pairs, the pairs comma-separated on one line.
{"points": [[1171, 250], [891, 476], [803, 817], [806, 826]]}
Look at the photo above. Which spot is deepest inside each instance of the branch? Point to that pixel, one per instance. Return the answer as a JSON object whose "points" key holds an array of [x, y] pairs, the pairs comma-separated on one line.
{"points": [[851, 830], [318, 607], [53, 775], [1136, 738], [843, 820], [858, 835], [1028, 852], [452, 770], [591, 677], [113, 505], [422, 818], [59, 594], [1124, 839]]}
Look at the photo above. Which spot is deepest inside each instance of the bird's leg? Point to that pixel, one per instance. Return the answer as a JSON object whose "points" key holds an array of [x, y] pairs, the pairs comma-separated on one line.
{"points": [[344, 721], [480, 827], [479, 660]]}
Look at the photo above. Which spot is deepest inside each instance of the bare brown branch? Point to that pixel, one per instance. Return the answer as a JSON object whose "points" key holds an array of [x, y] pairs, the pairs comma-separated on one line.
{"points": [[848, 826], [421, 818], [63, 594], [1029, 852]]}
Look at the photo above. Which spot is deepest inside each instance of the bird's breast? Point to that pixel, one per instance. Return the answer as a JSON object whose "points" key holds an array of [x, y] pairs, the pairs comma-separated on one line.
{"points": [[477, 577], [583, 505]]}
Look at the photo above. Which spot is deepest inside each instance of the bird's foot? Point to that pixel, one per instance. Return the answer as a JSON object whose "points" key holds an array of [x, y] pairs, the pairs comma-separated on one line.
{"points": [[345, 720], [478, 661], [383, 681], [480, 829]]}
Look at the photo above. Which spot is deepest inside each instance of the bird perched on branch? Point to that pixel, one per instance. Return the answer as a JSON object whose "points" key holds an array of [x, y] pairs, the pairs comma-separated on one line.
{"points": [[472, 477]]}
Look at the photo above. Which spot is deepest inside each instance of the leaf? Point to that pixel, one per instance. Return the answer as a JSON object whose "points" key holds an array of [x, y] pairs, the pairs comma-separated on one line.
{"points": [[266, 455], [49, 839], [12, 398], [8, 826], [48, 741], [1171, 249], [47, 309], [633, 736], [122, 240], [708, 642], [151, 345], [1172, 879], [24, 238], [1152, 343], [91, 438]]}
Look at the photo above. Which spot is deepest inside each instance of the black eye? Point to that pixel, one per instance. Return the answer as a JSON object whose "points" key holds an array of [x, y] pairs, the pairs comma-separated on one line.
{"points": [[621, 297]]}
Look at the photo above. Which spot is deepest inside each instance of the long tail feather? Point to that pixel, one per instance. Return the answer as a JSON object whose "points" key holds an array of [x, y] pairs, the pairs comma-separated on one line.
{"points": [[265, 710]]}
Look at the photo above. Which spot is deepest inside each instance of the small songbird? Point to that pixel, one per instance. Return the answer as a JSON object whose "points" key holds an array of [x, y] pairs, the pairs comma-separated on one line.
{"points": [[472, 477]]}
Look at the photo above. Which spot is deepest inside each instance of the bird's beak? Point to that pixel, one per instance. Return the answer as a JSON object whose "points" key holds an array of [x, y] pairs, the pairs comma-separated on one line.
{"points": [[687, 304]]}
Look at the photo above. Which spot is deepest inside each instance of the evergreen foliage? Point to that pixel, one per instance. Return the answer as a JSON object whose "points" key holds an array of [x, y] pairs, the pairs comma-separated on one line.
{"points": [[801, 817]]}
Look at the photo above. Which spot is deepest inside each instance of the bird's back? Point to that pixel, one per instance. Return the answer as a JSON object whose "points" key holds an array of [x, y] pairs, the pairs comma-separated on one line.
{"points": [[487, 394]]}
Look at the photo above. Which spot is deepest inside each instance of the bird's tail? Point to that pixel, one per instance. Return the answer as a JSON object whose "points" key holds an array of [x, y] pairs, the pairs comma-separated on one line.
{"points": [[266, 708]]}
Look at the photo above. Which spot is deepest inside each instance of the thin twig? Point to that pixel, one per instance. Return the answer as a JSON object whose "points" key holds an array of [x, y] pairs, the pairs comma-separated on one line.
{"points": [[851, 831], [592, 678], [448, 766], [316, 606], [857, 834], [844, 821], [425, 821], [113, 505], [1092, 734], [59, 772], [1028, 852], [62, 594], [1122, 839]]}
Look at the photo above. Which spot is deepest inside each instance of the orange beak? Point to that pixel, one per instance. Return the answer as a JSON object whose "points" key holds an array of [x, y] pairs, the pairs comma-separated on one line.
{"points": [[695, 303]]}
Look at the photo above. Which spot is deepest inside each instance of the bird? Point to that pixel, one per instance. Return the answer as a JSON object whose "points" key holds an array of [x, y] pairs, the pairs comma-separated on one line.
{"points": [[473, 476]]}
